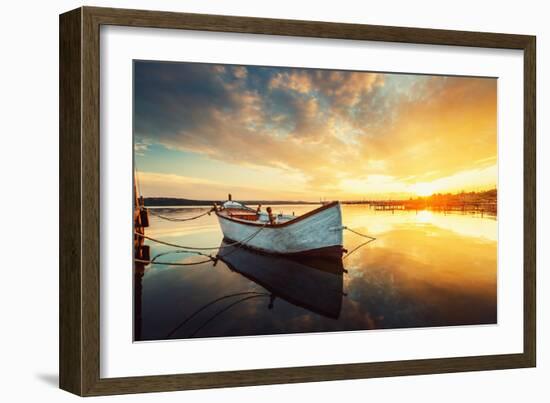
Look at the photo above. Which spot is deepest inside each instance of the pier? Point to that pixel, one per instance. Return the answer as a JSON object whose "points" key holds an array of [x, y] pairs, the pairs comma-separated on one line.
{"points": [[481, 207], [473, 202]]}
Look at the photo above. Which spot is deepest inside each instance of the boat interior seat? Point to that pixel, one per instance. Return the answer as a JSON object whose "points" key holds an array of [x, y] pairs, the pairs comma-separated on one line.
{"points": [[243, 214]]}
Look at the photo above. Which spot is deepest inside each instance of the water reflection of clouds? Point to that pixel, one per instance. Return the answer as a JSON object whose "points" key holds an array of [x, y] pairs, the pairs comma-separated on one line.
{"points": [[379, 222], [412, 280], [428, 269]]}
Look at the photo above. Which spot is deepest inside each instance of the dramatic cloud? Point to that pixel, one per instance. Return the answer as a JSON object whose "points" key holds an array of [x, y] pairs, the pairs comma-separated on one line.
{"points": [[333, 128], [171, 185]]}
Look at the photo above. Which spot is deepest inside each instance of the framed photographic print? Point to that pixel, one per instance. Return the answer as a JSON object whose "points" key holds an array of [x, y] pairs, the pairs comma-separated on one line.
{"points": [[251, 201]]}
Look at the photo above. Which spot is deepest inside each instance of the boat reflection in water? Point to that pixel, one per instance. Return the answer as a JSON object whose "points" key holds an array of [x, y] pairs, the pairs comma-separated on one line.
{"points": [[314, 283], [424, 270]]}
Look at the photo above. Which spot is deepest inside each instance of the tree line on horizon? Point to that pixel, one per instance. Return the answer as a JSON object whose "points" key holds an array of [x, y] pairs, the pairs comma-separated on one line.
{"points": [[487, 196]]}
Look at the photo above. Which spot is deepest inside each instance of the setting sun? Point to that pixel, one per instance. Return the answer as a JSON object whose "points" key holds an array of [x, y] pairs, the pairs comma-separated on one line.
{"points": [[310, 185], [306, 134]]}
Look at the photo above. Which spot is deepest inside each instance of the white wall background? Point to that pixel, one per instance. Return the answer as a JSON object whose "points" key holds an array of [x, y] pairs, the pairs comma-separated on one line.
{"points": [[29, 199]]}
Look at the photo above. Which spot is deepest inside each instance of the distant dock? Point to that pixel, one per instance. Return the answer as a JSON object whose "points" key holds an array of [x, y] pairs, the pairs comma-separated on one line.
{"points": [[473, 202], [481, 207]]}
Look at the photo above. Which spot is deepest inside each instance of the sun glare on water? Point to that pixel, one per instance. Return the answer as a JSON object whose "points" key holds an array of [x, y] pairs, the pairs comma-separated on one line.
{"points": [[424, 216]]}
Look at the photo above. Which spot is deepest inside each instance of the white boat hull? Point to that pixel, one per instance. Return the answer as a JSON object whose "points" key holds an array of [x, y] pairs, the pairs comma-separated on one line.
{"points": [[316, 232]]}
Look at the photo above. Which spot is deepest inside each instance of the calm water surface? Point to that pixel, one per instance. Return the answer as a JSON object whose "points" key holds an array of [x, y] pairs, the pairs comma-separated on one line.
{"points": [[424, 269]]}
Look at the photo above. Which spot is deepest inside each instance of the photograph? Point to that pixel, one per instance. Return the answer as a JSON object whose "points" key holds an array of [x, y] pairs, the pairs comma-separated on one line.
{"points": [[277, 200]]}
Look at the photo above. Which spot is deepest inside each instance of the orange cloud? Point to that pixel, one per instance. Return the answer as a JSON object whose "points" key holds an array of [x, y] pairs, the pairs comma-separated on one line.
{"points": [[171, 185], [453, 128], [339, 129]]}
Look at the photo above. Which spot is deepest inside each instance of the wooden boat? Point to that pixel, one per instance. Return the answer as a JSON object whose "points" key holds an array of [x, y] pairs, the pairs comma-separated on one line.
{"points": [[305, 281], [317, 232]]}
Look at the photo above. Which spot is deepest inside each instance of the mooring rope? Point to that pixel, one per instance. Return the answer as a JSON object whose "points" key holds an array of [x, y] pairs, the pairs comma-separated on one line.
{"points": [[194, 249], [357, 248], [199, 248], [226, 309], [154, 259], [174, 264], [358, 233], [210, 258], [237, 247], [370, 239], [178, 219], [202, 308]]}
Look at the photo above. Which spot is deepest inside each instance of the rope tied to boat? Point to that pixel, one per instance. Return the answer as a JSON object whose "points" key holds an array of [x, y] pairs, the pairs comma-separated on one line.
{"points": [[177, 219], [189, 252], [192, 249], [200, 248], [173, 264], [358, 233], [247, 295], [369, 240]]}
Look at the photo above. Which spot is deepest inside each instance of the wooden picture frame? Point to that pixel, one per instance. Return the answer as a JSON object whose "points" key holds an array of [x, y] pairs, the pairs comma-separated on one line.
{"points": [[80, 197]]}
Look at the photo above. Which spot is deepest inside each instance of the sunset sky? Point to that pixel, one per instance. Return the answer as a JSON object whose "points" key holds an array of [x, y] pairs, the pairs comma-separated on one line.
{"points": [[202, 131]]}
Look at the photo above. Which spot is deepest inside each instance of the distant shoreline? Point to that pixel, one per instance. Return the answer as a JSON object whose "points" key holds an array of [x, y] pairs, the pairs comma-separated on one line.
{"points": [[174, 201], [486, 200]]}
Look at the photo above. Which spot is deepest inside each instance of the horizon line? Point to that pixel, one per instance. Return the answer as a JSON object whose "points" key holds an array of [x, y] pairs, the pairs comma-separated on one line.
{"points": [[364, 198]]}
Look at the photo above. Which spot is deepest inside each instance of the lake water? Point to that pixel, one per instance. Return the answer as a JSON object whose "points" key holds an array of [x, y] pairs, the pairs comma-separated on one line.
{"points": [[423, 269]]}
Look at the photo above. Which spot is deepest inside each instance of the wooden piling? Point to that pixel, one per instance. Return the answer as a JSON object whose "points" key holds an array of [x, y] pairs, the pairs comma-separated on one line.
{"points": [[141, 221]]}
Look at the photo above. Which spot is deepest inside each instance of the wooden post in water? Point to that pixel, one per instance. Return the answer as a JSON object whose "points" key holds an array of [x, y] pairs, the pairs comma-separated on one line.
{"points": [[141, 221], [141, 253]]}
